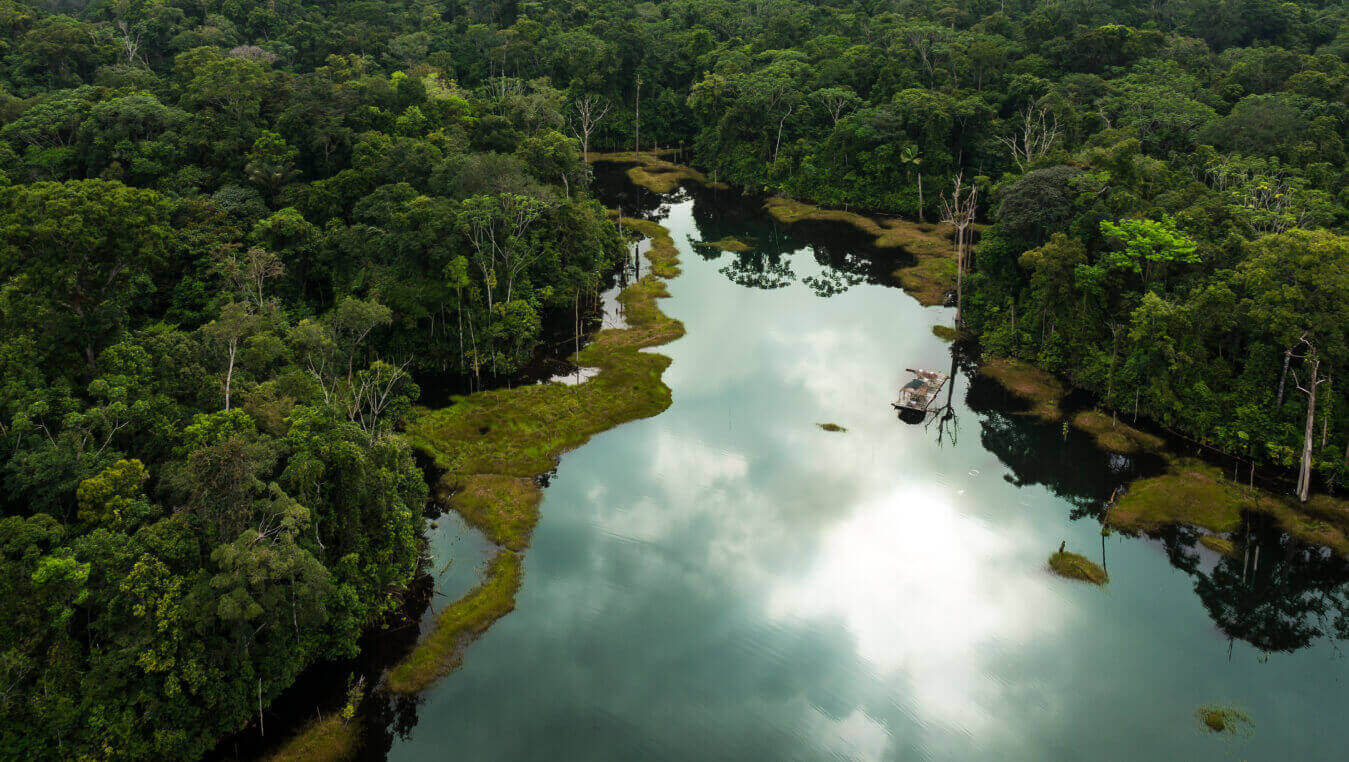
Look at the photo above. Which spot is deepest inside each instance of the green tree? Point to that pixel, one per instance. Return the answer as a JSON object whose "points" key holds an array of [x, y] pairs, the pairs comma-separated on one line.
{"points": [[1149, 247], [81, 254]]}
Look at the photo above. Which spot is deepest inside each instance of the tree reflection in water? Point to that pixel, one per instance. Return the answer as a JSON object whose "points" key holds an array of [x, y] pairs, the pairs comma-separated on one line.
{"points": [[1274, 592]]}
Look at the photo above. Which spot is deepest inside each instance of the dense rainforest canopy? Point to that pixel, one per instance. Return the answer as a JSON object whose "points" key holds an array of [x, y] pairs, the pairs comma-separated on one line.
{"points": [[232, 235]]}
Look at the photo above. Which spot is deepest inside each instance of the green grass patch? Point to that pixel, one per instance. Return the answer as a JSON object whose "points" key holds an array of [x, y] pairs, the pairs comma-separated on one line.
{"points": [[1195, 493], [928, 281], [327, 740], [917, 238], [933, 273], [1110, 434], [440, 651], [729, 243], [947, 333], [1042, 390], [505, 508], [1073, 566], [1218, 544], [492, 445], [658, 182], [1213, 718], [831, 427], [1190, 492], [655, 172]]}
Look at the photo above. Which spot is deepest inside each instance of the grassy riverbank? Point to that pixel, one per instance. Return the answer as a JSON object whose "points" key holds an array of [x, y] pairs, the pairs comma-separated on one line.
{"points": [[492, 447], [441, 649], [330, 739], [1191, 491], [1042, 390], [654, 172], [928, 279], [1195, 493]]}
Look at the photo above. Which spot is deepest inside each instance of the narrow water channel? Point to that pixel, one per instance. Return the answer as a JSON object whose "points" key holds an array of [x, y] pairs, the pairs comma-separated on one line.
{"points": [[729, 581]]}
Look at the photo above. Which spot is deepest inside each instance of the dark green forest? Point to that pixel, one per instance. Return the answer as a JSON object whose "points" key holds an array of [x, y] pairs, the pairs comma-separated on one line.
{"points": [[234, 237]]}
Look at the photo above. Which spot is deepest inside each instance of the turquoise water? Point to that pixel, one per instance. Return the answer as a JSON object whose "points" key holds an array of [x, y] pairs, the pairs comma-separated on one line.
{"points": [[728, 581]]}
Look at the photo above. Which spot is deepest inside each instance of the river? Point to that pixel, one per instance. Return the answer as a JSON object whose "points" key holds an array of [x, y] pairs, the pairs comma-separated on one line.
{"points": [[727, 580]]}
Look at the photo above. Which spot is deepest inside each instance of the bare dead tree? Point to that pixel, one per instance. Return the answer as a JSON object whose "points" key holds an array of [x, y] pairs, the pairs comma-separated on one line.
{"points": [[131, 42], [777, 144], [590, 111], [517, 252], [637, 120], [835, 101], [371, 393], [249, 271], [958, 212], [1312, 361], [1283, 377], [1035, 137]]}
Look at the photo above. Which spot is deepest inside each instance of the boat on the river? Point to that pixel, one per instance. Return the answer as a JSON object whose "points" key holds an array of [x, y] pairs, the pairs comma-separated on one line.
{"points": [[919, 392]]}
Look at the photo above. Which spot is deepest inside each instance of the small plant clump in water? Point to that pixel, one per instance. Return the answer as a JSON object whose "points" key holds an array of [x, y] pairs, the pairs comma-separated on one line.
{"points": [[947, 333], [729, 243], [831, 427], [1073, 566], [1224, 719]]}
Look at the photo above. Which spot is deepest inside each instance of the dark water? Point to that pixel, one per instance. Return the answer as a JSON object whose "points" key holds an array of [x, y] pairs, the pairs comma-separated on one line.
{"points": [[729, 581]]}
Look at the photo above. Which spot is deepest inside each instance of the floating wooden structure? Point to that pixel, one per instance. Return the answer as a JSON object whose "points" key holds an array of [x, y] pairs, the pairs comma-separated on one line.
{"points": [[918, 393]]}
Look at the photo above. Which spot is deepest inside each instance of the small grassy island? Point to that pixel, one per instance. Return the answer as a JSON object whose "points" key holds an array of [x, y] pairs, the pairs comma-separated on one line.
{"points": [[1073, 566], [834, 427], [1220, 545], [729, 243], [949, 334]]}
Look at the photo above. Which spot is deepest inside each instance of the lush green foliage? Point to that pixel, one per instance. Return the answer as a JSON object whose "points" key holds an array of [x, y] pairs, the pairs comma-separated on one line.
{"points": [[227, 244], [231, 233]]}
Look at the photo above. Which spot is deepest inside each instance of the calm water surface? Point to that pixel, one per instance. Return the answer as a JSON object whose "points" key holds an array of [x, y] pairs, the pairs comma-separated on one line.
{"points": [[728, 581]]}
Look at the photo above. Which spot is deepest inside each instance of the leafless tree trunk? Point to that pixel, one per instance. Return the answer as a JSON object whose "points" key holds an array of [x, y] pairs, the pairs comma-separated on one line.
{"points": [[1114, 352], [637, 120], [1287, 356], [372, 392], [958, 211], [920, 197], [131, 42], [777, 145], [1304, 478], [834, 106], [590, 110], [231, 349], [1035, 137], [459, 303]]}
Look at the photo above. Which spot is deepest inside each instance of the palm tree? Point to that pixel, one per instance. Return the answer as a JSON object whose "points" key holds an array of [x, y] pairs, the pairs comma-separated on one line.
{"points": [[910, 157]]}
